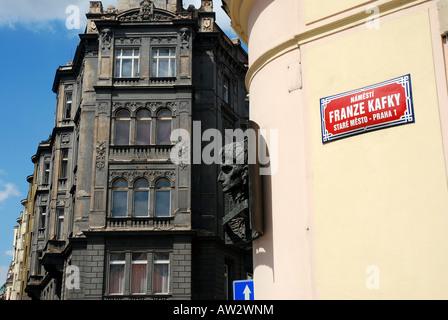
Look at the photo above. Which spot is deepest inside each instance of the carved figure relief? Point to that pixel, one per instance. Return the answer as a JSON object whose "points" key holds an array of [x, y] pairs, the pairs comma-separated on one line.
{"points": [[106, 38]]}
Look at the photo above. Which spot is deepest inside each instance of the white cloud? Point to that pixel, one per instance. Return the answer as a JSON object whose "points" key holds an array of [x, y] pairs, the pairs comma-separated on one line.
{"points": [[8, 190], [10, 253], [40, 13]]}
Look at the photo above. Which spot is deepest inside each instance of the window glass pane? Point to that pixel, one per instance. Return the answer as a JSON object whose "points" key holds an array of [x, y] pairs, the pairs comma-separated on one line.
{"points": [[120, 184], [127, 68], [172, 68], [163, 68], [116, 278], [164, 132], [162, 208], [164, 256], [164, 114], [138, 278], [120, 204], [117, 257], [139, 256], [142, 183], [154, 68], [143, 132], [117, 67], [127, 52], [163, 183], [122, 114], [144, 113], [141, 199], [122, 132], [164, 52], [136, 68], [161, 278]]}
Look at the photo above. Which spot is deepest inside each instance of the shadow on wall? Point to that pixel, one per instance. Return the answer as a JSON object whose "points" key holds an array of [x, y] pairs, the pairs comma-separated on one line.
{"points": [[263, 249]]}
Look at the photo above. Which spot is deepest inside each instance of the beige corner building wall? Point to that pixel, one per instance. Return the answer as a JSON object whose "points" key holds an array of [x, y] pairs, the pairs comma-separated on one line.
{"points": [[365, 217]]}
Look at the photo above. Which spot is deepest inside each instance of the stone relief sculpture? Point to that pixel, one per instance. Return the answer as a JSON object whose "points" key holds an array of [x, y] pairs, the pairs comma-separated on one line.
{"points": [[235, 179]]}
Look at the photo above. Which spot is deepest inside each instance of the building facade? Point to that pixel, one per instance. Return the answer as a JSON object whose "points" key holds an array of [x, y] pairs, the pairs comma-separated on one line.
{"points": [[115, 217], [363, 217]]}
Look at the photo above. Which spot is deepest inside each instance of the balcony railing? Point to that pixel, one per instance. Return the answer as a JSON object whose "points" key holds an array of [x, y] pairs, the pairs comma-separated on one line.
{"points": [[140, 152], [149, 223]]}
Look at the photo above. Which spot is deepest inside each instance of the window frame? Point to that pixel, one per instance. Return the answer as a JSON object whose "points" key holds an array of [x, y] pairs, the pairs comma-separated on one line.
{"points": [[118, 119], [68, 103], [128, 261], [116, 262], [172, 62], [63, 172], [115, 189], [60, 217], [161, 262], [159, 190], [118, 72], [226, 89], [140, 120], [141, 189], [159, 119]]}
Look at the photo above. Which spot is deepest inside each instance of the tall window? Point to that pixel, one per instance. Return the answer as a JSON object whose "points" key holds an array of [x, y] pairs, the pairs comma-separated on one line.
{"points": [[164, 62], [143, 127], [164, 127], [120, 199], [117, 265], [161, 277], [46, 177], [163, 198], [122, 127], [43, 217], [127, 63], [68, 105], [226, 89], [64, 164], [139, 271], [60, 223], [141, 198]]}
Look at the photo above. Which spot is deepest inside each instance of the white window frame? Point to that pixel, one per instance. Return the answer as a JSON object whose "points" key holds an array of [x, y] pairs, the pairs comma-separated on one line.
{"points": [[145, 262], [120, 57], [166, 262], [157, 57], [116, 262]]}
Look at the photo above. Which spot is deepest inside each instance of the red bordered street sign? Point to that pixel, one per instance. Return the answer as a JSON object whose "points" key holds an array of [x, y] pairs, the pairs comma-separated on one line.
{"points": [[379, 106]]}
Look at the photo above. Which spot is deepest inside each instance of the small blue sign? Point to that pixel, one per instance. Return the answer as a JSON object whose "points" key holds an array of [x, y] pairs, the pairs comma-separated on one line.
{"points": [[243, 290]]}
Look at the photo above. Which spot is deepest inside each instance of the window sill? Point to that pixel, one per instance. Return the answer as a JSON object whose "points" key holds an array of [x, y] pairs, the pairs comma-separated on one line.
{"points": [[162, 81]]}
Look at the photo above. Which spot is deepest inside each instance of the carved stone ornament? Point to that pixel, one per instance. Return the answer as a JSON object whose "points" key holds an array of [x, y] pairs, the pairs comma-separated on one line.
{"points": [[146, 12], [151, 176], [100, 154], [128, 41], [106, 38], [146, 9]]}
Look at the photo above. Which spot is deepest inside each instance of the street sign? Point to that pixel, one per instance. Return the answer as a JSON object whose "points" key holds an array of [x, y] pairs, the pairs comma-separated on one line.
{"points": [[243, 290], [378, 106]]}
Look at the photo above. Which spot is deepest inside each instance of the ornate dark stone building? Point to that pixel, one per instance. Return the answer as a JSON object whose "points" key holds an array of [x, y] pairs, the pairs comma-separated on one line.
{"points": [[115, 217]]}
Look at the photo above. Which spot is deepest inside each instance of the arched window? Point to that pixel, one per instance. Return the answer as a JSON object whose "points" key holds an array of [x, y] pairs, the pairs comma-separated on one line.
{"points": [[163, 198], [122, 127], [120, 199], [164, 120], [143, 127], [141, 198]]}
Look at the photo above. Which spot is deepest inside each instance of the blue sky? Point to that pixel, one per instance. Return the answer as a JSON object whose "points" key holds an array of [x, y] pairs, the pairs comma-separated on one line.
{"points": [[35, 41]]}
